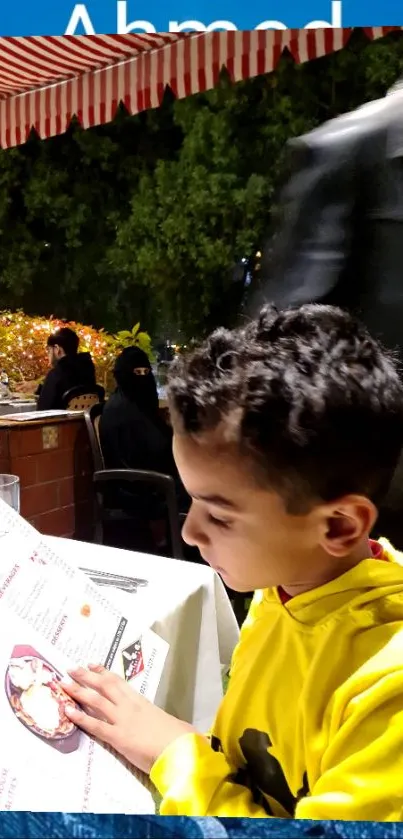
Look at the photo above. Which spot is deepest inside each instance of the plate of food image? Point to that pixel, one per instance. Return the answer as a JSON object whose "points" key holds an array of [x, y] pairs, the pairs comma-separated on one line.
{"points": [[38, 700]]}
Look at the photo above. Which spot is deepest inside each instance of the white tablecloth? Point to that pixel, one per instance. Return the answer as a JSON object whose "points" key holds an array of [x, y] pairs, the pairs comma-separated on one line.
{"points": [[187, 605]]}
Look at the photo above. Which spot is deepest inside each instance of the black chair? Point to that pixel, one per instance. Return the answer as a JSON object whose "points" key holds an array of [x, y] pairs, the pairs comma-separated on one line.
{"points": [[82, 398], [164, 485], [105, 514], [92, 420]]}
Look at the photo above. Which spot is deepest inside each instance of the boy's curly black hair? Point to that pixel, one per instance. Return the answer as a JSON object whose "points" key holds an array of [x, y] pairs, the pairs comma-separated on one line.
{"points": [[306, 394]]}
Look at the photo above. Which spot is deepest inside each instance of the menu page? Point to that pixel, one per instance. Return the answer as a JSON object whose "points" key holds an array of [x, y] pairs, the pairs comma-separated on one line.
{"points": [[29, 416], [52, 618], [92, 600]]}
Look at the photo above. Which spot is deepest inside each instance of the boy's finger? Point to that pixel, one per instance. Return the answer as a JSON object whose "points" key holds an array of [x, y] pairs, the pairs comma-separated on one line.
{"points": [[91, 725], [105, 683], [97, 704]]}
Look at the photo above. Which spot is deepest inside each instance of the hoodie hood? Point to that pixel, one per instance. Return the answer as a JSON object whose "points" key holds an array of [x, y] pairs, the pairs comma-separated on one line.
{"points": [[358, 589]]}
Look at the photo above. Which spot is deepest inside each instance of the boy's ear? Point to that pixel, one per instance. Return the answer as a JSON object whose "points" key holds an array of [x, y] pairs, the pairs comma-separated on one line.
{"points": [[347, 522]]}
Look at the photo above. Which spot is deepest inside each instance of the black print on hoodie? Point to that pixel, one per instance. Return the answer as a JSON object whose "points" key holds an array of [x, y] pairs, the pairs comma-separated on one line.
{"points": [[262, 773]]}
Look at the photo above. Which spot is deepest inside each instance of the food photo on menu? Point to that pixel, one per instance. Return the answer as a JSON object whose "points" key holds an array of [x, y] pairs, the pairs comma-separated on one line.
{"points": [[41, 749], [36, 696]]}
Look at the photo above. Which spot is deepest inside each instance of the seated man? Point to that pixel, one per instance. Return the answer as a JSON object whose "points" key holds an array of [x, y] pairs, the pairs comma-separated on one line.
{"points": [[69, 369]]}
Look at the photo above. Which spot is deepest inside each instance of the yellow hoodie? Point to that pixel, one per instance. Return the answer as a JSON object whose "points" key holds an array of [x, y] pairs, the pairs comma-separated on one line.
{"points": [[312, 724]]}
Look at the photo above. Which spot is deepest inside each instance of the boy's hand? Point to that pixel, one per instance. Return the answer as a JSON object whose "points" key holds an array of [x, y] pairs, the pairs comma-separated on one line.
{"points": [[117, 715]]}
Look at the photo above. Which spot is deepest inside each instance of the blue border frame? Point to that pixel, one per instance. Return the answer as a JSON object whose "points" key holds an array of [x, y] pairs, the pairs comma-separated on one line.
{"points": [[52, 17], [63, 825]]}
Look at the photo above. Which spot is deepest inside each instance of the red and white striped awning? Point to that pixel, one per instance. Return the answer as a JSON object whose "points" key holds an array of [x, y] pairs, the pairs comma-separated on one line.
{"points": [[45, 81]]}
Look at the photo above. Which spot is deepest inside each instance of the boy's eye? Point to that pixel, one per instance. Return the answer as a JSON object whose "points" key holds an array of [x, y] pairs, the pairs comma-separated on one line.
{"points": [[218, 522]]}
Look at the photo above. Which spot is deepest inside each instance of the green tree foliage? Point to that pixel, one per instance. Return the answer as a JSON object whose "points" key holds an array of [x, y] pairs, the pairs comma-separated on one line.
{"points": [[146, 218], [61, 203]]}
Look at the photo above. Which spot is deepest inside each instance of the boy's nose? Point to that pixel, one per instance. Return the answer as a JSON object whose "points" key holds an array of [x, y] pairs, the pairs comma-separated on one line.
{"points": [[192, 533]]}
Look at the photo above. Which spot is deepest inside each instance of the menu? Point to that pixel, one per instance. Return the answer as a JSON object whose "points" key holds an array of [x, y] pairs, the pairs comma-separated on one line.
{"points": [[30, 416], [54, 617]]}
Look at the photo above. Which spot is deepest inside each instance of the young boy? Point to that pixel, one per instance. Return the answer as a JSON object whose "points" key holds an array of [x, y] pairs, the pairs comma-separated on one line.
{"points": [[287, 433]]}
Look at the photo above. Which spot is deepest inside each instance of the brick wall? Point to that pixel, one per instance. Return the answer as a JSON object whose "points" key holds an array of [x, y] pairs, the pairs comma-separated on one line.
{"points": [[54, 464]]}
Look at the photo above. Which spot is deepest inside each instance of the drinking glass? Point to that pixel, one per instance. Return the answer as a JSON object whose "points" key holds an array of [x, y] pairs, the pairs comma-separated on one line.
{"points": [[10, 490]]}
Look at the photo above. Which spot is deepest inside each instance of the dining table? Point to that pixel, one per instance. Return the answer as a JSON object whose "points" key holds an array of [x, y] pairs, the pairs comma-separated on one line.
{"points": [[185, 603], [16, 406]]}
